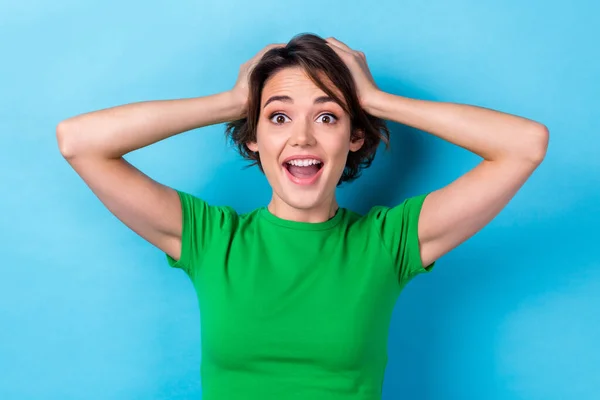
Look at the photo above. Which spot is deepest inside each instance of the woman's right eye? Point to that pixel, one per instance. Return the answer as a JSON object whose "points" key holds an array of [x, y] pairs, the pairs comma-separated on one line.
{"points": [[279, 118]]}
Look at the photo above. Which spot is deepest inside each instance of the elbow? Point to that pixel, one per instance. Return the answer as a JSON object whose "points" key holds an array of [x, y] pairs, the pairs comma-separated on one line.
{"points": [[64, 138], [538, 143]]}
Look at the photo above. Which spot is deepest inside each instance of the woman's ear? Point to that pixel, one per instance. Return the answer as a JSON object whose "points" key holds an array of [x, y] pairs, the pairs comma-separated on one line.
{"points": [[357, 140], [253, 146]]}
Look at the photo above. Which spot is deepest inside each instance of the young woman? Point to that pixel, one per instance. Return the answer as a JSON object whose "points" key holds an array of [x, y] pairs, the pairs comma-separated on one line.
{"points": [[296, 297]]}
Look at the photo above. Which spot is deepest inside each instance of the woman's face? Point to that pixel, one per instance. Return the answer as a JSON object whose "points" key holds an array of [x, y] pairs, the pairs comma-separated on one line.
{"points": [[303, 139]]}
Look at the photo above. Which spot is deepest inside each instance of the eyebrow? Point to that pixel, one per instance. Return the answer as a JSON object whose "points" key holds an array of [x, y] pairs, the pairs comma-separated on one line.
{"points": [[288, 99]]}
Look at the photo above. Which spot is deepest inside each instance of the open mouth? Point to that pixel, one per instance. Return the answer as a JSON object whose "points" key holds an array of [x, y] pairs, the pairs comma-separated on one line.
{"points": [[303, 171]]}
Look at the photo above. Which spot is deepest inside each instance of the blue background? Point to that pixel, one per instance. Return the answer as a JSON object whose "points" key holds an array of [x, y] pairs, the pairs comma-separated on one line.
{"points": [[88, 310]]}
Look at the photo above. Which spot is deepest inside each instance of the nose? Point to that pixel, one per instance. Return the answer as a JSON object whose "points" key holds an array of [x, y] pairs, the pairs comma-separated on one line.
{"points": [[302, 135]]}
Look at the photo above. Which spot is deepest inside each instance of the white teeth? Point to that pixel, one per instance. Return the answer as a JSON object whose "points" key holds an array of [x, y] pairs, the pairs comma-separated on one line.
{"points": [[304, 163]]}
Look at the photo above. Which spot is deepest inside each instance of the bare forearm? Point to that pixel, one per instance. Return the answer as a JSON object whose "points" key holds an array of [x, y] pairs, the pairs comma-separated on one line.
{"points": [[487, 133], [114, 132]]}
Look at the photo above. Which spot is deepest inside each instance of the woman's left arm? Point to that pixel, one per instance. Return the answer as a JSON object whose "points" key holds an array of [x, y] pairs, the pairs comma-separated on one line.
{"points": [[511, 147]]}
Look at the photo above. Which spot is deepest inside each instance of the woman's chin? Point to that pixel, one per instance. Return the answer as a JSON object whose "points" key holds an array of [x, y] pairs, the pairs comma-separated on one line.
{"points": [[303, 201], [309, 196]]}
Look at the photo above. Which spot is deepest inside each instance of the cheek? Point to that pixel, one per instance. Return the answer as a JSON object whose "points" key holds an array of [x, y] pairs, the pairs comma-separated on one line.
{"points": [[337, 145], [270, 146]]}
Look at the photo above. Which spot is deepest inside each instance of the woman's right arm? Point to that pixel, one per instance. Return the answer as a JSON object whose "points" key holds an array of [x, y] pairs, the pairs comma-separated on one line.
{"points": [[94, 144]]}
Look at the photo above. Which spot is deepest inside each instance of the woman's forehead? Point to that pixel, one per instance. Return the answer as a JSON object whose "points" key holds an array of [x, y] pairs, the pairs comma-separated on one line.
{"points": [[296, 84]]}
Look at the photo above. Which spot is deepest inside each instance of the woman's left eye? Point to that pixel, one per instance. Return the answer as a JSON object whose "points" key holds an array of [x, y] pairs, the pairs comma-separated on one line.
{"points": [[331, 119]]}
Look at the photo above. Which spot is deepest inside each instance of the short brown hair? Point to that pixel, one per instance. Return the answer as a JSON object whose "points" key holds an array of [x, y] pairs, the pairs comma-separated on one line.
{"points": [[313, 54]]}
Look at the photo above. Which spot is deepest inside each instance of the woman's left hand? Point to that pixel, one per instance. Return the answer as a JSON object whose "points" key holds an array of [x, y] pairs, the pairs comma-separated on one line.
{"points": [[357, 63]]}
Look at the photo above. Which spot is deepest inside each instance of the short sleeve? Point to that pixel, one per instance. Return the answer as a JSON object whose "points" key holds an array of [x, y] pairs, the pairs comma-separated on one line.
{"points": [[202, 224], [398, 230]]}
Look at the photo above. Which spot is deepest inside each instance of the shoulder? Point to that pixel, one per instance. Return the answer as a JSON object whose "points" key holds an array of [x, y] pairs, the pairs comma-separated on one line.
{"points": [[198, 211], [408, 209]]}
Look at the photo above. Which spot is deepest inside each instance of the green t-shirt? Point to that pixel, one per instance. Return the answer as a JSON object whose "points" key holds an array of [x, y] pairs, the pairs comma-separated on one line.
{"points": [[296, 310]]}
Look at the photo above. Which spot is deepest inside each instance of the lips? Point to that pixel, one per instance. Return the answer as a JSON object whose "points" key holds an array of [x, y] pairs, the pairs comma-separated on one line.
{"points": [[303, 169], [301, 180]]}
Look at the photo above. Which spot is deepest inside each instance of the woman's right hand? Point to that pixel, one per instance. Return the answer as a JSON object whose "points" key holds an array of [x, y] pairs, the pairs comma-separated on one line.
{"points": [[240, 90]]}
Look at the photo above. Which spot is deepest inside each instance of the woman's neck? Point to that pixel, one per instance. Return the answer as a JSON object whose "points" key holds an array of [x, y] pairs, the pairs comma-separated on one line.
{"points": [[319, 213]]}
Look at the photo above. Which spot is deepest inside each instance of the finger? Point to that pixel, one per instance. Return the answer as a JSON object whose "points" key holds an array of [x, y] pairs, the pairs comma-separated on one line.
{"points": [[340, 51], [272, 46], [344, 47], [267, 48], [339, 44], [258, 56]]}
